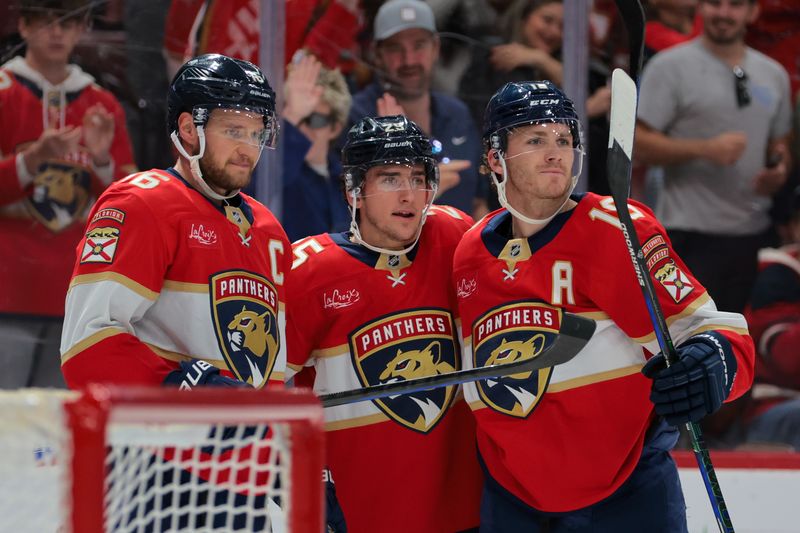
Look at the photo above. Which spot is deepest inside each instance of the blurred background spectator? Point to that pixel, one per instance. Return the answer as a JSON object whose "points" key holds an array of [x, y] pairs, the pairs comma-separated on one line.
{"points": [[405, 51], [62, 141], [317, 103], [773, 414]]}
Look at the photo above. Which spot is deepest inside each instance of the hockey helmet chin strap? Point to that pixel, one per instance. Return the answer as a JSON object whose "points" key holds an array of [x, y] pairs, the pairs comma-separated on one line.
{"points": [[194, 165], [356, 232], [501, 194]]}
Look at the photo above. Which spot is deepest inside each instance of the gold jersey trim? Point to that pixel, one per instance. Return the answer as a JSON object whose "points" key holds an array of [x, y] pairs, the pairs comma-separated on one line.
{"points": [[116, 277]]}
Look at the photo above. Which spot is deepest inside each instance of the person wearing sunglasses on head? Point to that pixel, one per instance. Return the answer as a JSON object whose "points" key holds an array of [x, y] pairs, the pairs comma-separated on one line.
{"points": [[317, 102], [716, 115]]}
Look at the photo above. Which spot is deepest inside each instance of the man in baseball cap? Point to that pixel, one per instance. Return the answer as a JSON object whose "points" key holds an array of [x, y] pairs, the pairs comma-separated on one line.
{"points": [[406, 47]]}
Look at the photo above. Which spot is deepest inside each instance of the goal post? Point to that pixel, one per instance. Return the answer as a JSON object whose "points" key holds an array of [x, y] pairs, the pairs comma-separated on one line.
{"points": [[150, 459]]}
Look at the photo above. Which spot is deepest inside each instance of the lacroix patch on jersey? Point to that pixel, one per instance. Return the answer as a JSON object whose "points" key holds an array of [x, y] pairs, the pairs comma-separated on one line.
{"points": [[519, 330], [406, 345], [100, 245], [111, 213], [674, 280], [60, 194], [244, 309]]}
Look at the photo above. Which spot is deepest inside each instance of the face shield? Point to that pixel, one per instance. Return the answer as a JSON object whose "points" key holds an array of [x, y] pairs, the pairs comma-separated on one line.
{"points": [[551, 147], [253, 126], [552, 140], [417, 174], [420, 175]]}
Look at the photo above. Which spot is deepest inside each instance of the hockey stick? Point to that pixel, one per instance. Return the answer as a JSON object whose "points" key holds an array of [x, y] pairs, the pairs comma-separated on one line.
{"points": [[620, 150], [573, 335]]}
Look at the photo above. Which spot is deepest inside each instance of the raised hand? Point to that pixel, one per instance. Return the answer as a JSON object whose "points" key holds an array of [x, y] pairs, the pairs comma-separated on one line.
{"points": [[388, 106], [98, 134], [300, 90], [449, 175], [509, 56], [51, 144]]}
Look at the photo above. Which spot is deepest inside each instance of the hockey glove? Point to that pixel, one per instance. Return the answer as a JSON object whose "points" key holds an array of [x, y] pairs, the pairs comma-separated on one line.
{"points": [[197, 373], [333, 512], [697, 383]]}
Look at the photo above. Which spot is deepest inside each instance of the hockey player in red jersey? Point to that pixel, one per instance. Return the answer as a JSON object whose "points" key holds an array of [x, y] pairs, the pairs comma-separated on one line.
{"points": [[179, 276], [62, 141], [582, 446], [378, 309]]}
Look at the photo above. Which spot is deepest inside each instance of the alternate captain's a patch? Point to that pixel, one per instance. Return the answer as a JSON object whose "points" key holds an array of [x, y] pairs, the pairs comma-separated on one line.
{"points": [[100, 245], [674, 280]]}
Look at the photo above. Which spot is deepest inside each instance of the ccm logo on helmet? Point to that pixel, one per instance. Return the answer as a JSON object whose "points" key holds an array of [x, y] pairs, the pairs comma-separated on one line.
{"points": [[545, 101]]}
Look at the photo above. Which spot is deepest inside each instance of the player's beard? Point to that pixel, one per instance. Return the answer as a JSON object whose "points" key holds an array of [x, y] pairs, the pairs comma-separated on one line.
{"points": [[216, 177], [724, 36], [404, 88]]}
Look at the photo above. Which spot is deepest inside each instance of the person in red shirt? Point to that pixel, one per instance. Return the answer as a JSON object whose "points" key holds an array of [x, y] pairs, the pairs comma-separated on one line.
{"points": [[62, 142], [325, 29], [773, 413]]}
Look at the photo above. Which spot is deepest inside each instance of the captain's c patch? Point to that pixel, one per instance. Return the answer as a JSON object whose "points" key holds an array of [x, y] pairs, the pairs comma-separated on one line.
{"points": [[100, 245]]}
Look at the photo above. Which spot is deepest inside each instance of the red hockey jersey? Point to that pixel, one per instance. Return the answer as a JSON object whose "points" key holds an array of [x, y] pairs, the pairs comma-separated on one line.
{"points": [[774, 319], [162, 276], [406, 463], [566, 437], [42, 217]]}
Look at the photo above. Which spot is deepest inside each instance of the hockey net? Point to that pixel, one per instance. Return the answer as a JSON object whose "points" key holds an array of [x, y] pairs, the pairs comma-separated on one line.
{"points": [[135, 460]]}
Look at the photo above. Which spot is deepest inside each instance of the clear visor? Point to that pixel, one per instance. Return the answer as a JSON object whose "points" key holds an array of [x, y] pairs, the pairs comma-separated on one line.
{"points": [[417, 175], [254, 127], [553, 140]]}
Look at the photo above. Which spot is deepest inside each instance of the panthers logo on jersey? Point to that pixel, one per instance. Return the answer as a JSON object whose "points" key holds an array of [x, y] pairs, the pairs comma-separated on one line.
{"points": [[60, 195], [403, 346], [244, 311], [520, 330]]}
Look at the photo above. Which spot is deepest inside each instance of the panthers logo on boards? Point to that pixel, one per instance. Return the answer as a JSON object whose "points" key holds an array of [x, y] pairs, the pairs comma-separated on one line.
{"points": [[244, 309], [402, 346], [509, 333], [60, 195]]}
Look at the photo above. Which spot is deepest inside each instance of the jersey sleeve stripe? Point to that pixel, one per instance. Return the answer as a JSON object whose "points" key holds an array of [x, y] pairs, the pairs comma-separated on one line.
{"points": [[138, 288], [90, 341], [594, 378]]}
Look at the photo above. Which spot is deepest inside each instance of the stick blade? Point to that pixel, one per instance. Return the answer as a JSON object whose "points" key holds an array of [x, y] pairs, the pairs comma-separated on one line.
{"points": [[621, 133], [574, 333]]}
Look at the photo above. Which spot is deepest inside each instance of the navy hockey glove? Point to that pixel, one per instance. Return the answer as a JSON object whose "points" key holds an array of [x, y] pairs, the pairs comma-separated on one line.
{"points": [[333, 512], [697, 383], [197, 373]]}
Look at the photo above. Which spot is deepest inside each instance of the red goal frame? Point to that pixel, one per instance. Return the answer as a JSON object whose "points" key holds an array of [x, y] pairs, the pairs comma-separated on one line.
{"points": [[89, 415]]}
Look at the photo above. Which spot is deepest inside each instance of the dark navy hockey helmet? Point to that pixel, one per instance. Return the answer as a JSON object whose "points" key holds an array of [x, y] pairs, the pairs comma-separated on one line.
{"points": [[374, 141], [527, 102], [213, 81]]}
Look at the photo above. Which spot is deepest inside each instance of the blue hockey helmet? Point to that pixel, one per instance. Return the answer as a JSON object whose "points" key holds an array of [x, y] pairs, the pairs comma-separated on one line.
{"points": [[213, 81], [376, 141], [527, 102]]}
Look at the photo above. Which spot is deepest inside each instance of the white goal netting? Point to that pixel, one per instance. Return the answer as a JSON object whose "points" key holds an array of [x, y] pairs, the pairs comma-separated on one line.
{"points": [[160, 460]]}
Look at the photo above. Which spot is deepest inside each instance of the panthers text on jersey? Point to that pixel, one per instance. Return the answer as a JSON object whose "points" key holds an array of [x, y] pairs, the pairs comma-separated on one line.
{"points": [[403, 463], [162, 275], [565, 437], [42, 216]]}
